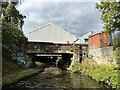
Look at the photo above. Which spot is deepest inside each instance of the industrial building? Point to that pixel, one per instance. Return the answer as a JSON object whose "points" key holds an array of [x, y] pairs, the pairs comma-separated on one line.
{"points": [[51, 33], [84, 39]]}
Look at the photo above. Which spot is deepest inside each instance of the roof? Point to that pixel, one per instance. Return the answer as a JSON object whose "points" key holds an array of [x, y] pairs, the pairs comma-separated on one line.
{"points": [[85, 36], [95, 34], [52, 25]]}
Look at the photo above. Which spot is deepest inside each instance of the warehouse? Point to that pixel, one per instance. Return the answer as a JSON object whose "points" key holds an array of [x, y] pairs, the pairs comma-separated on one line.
{"points": [[51, 33], [84, 39]]}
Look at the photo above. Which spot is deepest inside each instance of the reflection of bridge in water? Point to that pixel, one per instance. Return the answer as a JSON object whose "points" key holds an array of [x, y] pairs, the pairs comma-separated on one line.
{"points": [[65, 51]]}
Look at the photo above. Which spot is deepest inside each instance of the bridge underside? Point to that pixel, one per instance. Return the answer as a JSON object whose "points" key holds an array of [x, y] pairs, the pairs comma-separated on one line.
{"points": [[51, 58], [63, 55]]}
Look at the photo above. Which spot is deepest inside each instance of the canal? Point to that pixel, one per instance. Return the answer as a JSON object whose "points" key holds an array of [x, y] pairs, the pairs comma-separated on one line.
{"points": [[54, 78]]}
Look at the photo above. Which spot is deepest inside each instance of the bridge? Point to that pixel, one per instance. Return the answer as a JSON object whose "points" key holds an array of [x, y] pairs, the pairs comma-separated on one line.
{"points": [[44, 50]]}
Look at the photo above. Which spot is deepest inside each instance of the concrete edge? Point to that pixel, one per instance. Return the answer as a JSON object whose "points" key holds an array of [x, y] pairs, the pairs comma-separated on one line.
{"points": [[20, 75]]}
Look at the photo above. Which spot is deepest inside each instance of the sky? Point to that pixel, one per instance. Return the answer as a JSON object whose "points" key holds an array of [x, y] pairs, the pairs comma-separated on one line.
{"points": [[78, 18]]}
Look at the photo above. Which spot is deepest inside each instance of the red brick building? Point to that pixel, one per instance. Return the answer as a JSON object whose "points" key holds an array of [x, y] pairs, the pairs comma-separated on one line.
{"points": [[98, 41]]}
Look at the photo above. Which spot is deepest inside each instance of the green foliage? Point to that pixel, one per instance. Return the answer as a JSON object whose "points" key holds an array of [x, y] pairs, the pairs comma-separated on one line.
{"points": [[105, 74], [11, 14], [117, 55], [9, 67], [116, 42], [13, 38], [74, 67], [59, 62], [110, 15], [101, 73]]}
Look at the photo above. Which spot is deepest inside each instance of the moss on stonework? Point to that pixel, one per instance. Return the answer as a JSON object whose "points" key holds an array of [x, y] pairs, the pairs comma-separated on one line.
{"points": [[19, 75], [9, 67]]}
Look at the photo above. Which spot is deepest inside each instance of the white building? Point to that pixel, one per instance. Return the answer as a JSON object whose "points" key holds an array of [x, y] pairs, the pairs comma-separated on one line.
{"points": [[51, 33], [84, 39]]}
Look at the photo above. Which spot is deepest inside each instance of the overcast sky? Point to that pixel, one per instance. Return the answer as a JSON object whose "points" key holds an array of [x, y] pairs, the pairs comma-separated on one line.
{"points": [[77, 18]]}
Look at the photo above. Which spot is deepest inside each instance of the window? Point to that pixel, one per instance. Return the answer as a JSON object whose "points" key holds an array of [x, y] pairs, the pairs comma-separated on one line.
{"points": [[86, 41]]}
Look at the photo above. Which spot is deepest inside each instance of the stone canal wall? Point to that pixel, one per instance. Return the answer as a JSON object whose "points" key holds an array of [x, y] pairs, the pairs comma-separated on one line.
{"points": [[20, 75], [101, 52]]}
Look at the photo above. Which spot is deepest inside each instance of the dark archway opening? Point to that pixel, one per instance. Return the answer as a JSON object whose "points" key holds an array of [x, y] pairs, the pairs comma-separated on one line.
{"points": [[52, 60], [47, 60], [65, 61]]}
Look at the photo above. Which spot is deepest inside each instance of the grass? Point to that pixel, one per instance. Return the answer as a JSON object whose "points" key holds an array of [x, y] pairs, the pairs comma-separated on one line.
{"points": [[9, 67], [108, 74], [74, 67]]}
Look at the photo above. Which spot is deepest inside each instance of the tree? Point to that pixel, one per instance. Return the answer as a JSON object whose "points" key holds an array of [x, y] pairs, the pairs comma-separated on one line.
{"points": [[11, 14], [110, 15], [13, 38], [111, 18]]}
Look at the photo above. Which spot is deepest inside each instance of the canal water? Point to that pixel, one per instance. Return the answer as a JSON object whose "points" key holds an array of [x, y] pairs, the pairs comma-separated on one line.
{"points": [[55, 79]]}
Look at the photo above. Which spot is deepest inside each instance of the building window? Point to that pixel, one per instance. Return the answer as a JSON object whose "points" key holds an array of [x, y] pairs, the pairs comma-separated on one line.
{"points": [[86, 41]]}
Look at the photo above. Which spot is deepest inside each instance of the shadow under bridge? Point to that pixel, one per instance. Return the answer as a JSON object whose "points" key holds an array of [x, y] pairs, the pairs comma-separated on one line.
{"points": [[61, 60]]}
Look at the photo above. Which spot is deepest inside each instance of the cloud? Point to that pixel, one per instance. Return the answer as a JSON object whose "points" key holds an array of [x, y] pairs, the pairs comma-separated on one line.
{"points": [[77, 18]]}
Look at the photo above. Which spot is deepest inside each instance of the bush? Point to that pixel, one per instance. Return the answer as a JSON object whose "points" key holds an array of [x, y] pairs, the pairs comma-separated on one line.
{"points": [[116, 42], [117, 55], [74, 67], [59, 62], [101, 73]]}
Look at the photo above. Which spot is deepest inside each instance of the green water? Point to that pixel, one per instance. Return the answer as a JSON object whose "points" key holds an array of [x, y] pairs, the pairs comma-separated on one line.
{"points": [[65, 80]]}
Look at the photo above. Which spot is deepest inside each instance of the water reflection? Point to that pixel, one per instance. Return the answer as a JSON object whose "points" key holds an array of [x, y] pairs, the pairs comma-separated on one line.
{"points": [[57, 79], [75, 80]]}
